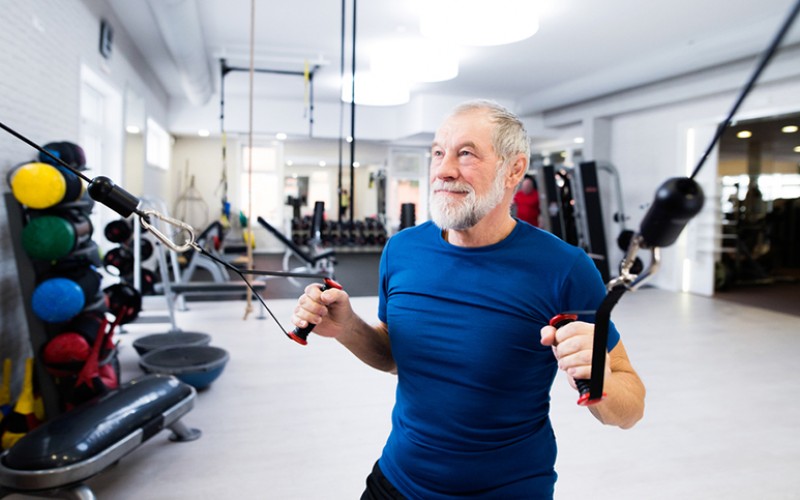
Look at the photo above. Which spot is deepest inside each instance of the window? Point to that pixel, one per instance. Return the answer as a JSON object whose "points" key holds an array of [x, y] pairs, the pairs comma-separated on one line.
{"points": [[158, 145], [319, 189], [101, 134], [266, 185]]}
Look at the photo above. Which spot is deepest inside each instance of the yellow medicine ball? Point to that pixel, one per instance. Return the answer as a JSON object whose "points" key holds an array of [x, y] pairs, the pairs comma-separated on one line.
{"points": [[38, 185]]}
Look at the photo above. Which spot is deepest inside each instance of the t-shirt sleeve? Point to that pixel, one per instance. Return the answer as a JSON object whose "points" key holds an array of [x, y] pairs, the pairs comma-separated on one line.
{"points": [[383, 284]]}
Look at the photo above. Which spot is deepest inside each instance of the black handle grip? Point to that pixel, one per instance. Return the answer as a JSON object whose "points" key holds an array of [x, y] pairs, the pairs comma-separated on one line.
{"points": [[103, 190], [558, 321], [300, 335]]}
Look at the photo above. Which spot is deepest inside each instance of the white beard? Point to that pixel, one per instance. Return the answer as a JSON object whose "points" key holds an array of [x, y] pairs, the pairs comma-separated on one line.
{"points": [[464, 214]]}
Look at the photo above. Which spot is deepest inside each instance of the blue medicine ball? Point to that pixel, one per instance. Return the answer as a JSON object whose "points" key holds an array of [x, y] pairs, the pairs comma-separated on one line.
{"points": [[57, 300]]}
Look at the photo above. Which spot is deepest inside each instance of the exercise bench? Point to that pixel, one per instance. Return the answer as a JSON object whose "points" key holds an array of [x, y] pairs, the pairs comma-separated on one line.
{"points": [[56, 458]]}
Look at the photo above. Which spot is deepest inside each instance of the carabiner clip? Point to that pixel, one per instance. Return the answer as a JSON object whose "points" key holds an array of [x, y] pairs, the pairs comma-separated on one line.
{"points": [[188, 244], [630, 280]]}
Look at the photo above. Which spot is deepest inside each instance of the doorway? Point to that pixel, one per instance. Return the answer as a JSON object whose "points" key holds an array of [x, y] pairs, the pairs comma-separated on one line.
{"points": [[759, 178]]}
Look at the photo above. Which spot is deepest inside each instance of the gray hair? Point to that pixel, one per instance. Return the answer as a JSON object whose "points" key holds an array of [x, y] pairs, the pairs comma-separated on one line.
{"points": [[509, 137]]}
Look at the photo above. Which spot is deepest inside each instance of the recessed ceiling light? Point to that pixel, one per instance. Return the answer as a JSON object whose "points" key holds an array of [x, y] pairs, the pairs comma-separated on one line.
{"points": [[132, 129], [203, 132], [280, 136], [579, 140], [289, 163], [322, 163], [797, 149], [789, 129], [744, 134], [356, 164]]}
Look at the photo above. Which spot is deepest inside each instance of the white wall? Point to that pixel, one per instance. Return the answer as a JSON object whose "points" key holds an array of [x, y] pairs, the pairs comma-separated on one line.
{"points": [[44, 43], [201, 158]]}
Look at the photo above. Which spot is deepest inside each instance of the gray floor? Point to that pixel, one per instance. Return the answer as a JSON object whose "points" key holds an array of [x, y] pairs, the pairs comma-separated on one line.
{"points": [[291, 422]]}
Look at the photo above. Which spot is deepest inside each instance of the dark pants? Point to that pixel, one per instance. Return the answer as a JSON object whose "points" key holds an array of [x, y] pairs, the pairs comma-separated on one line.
{"points": [[379, 488]]}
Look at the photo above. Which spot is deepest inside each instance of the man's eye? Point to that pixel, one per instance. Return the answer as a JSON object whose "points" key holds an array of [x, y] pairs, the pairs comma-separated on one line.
{"points": [[436, 153], [465, 153]]}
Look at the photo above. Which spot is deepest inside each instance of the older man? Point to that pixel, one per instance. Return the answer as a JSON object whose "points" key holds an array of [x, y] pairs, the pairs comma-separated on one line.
{"points": [[464, 304]]}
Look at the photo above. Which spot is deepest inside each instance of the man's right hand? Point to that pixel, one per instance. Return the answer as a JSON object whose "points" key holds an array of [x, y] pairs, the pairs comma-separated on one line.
{"points": [[329, 310]]}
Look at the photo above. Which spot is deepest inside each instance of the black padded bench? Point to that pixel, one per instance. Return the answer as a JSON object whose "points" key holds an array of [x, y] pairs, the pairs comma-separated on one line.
{"points": [[56, 458]]}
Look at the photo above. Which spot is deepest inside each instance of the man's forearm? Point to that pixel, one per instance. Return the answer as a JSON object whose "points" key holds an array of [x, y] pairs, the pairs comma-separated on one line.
{"points": [[370, 344], [624, 404]]}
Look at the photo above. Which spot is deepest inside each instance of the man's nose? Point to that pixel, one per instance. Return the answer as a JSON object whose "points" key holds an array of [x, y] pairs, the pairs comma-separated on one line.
{"points": [[445, 168]]}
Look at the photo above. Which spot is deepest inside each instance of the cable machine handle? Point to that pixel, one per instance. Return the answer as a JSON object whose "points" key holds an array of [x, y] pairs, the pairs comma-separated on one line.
{"points": [[300, 335]]}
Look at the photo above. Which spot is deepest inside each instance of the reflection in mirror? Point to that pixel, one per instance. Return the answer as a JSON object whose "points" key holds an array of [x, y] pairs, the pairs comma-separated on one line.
{"points": [[317, 160], [296, 190], [311, 175], [407, 185], [134, 154]]}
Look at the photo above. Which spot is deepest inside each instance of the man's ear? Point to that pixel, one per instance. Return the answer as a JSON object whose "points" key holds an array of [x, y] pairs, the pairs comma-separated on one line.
{"points": [[518, 169]]}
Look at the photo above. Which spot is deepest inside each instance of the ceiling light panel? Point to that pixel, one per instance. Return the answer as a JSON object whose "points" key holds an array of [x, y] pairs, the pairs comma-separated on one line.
{"points": [[415, 59], [479, 22], [374, 89]]}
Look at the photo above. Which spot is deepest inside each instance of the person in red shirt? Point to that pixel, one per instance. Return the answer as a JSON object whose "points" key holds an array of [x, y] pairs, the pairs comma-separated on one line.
{"points": [[526, 201]]}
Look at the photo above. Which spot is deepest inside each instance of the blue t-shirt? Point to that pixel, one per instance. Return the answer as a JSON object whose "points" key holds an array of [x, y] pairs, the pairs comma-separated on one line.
{"points": [[473, 388]]}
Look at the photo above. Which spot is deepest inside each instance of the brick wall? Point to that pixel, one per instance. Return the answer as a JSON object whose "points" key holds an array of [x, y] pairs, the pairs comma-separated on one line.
{"points": [[43, 44]]}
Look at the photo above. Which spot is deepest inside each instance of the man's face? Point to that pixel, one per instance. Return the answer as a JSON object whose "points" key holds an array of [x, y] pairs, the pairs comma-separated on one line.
{"points": [[465, 180]]}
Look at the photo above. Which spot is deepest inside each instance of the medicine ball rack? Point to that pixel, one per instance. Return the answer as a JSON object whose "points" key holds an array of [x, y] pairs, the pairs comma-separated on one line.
{"points": [[36, 328]]}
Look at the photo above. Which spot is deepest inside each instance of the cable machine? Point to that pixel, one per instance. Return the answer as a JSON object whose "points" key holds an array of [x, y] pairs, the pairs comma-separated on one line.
{"points": [[574, 206]]}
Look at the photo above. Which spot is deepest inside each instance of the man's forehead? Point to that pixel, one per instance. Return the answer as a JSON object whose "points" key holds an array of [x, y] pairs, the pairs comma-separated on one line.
{"points": [[470, 126]]}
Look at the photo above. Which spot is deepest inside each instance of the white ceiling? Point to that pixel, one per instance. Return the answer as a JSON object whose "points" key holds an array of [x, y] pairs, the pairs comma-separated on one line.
{"points": [[584, 48]]}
